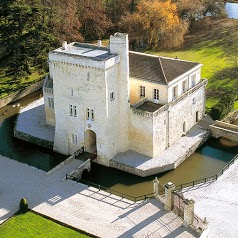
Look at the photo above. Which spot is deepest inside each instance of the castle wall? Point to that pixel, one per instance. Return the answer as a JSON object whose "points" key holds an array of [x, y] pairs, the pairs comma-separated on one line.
{"points": [[81, 87], [160, 131], [141, 133], [184, 114], [119, 45]]}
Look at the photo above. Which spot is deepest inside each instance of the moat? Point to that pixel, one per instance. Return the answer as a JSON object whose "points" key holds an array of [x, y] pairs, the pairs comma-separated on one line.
{"points": [[206, 161]]}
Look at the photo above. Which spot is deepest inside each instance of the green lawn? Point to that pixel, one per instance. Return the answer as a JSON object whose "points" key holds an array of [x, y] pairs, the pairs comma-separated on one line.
{"points": [[30, 225], [207, 46]]}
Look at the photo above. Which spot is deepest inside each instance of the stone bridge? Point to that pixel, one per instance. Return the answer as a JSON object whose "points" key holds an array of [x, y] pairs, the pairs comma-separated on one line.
{"points": [[86, 165], [225, 130]]}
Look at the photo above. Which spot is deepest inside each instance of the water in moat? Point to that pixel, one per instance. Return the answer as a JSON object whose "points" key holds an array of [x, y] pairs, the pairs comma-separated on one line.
{"points": [[14, 148], [206, 161]]}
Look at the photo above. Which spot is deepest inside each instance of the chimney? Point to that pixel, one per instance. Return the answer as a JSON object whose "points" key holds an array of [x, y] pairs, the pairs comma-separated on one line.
{"points": [[64, 45], [99, 43]]}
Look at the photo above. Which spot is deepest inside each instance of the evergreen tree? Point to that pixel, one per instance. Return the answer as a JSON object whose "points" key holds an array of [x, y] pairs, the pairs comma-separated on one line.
{"points": [[24, 36]]}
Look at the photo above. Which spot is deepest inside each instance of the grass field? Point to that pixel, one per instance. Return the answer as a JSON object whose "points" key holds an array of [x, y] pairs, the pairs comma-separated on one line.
{"points": [[30, 225], [207, 45]]}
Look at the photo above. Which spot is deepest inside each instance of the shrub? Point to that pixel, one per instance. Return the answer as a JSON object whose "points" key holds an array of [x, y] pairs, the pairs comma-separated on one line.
{"points": [[221, 109], [23, 205]]}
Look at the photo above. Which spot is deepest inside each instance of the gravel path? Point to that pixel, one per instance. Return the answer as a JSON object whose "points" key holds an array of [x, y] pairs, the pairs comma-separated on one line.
{"points": [[31, 120], [218, 202], [83, 207]]}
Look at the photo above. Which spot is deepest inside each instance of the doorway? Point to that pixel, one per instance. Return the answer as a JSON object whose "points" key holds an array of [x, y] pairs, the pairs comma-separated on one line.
{"points": [[90, 141]]}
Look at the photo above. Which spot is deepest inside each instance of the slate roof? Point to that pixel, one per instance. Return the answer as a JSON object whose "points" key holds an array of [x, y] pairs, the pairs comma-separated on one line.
{"points": [[156, 68]]}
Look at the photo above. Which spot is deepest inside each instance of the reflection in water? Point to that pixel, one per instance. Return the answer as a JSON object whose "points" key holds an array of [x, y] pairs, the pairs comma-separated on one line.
{"points": [[232, 10], [20, 150], [228, 143], [208, 160]]}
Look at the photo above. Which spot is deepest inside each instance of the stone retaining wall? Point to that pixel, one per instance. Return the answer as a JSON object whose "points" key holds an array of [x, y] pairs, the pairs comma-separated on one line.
{"points": [[21, 93], [140, 172], [34, 140], [225, 130]]}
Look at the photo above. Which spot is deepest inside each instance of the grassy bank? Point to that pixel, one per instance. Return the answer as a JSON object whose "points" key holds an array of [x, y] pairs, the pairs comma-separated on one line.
{"points": [[30, 225], [8, 85], [207, 45]]}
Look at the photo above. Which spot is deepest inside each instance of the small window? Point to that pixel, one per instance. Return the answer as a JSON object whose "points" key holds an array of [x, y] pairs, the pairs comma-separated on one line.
{"points": [[71, 92], [90, 114], [156, 94], [184, 86], [142, 91], [74, 139], [51, 102], [72, 110], [184, 127], [112, 95], [197, 116], [194, 100], [193, 80], [175, 92]]}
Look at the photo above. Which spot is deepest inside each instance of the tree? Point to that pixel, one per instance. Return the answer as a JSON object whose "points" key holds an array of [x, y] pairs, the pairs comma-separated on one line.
{"points": [[117, 9], [24, 36], [156, 23], [92, 16]]}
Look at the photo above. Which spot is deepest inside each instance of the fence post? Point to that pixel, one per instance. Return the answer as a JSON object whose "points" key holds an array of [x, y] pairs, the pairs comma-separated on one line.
{"points": [[188, 212], [204, 224], [169, 188], [156, 186]]}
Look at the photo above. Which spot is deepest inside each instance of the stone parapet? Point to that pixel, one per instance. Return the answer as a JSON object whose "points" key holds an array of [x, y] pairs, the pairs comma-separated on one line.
{"points": [[225, 130]]}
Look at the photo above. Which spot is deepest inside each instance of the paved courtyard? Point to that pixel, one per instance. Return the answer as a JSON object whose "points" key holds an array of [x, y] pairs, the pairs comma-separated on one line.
{"points": [[88, 209], [218, 202]]}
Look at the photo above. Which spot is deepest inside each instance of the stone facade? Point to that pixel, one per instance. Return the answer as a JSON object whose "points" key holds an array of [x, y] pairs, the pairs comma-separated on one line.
{"points": [[94, 103]]}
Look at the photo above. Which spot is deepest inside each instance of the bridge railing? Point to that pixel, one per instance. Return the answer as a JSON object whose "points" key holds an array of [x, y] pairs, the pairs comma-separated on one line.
{"points": [[161, 191], [207, 179], [111, 191]]}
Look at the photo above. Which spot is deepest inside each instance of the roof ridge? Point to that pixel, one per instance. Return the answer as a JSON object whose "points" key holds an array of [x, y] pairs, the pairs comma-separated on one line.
{"points": [[163, 70]]}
